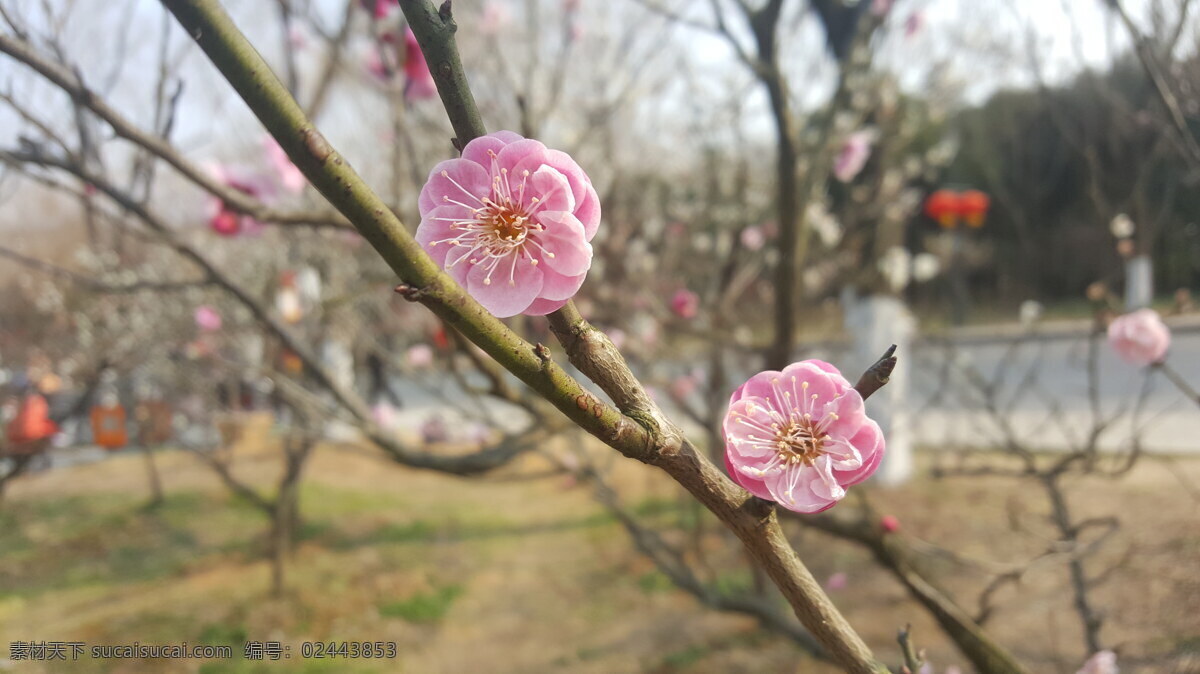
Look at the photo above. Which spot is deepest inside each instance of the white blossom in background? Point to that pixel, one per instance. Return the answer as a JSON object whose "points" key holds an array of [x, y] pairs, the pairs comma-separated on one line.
{"points": [[308, 284], [1122, 226], [895, 266], [1030, 312], [825, 225], [925, 266]]}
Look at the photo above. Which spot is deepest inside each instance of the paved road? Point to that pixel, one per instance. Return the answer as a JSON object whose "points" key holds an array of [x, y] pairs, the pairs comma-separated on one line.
{"points": [[1043, 391], [1041, 381]]}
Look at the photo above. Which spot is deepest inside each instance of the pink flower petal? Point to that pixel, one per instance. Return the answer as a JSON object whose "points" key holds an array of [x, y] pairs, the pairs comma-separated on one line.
{"points": [[477, 150], [541, 307], [436, 227], [553, 190], [566, 251], [557, 287], [752, 485], [588, 211], [465, 182], [512, 288], [744, 429], [851, 413], [795, 489], [870, 444]]}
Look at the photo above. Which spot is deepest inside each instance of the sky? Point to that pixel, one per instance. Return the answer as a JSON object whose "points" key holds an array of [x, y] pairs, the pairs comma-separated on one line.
{"points": [[979, 45]]}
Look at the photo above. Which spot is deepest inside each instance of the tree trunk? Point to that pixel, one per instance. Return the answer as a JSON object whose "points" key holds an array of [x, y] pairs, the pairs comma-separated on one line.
{"points": [[156, 489], [1139, 282]]}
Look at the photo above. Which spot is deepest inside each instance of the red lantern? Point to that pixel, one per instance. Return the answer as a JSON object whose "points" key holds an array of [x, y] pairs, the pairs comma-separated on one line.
{"points": [[31, 425], [943, 206], [108, 426], [973, 206]]}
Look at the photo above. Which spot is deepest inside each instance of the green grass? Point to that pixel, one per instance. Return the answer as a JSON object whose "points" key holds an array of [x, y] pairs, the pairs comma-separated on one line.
{"points": [[685, 657], [98, 540], [654, 581], [423, 608]]}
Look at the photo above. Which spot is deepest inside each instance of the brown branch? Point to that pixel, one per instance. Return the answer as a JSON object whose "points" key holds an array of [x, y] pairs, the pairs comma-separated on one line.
{"points": [[69, 83]]}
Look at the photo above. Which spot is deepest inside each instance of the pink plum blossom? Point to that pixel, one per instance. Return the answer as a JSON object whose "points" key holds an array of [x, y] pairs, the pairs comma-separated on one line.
{"points": [[495, 16], [1140, 337], [881, 7], [375, 67], [286, 172], [434, 430], [419, 356], [889, 523], [685, 303], [297, 37], [683, 386], [837, 581], [418, 81], [914, 23], [1101, 662], [380, 9], [207, 318], [800, 437], [223, 219], [384, 415], [510, 221], [618, 337], [853, 155], [753, 238]]}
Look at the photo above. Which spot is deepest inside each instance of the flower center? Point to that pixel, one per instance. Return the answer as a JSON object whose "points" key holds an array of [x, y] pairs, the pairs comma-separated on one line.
{"points": [[799, 442], [499, 228], [505, 224]]}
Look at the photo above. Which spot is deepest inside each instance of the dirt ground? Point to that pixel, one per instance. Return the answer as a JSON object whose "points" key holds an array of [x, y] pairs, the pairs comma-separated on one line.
{"points": [[520, 573]]}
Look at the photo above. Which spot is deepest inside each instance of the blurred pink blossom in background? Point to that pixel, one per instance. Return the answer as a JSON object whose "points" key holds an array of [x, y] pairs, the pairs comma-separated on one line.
{"points": [[800, 437], [384, 415], [1140, 337], [434, 430], [1101, 662], [225, 220], [836, 581], [684, 386], [374, 65], [419, 356], [290, 177], [914, 23], [889, 523], [685, 303], [380, 9], [853, 155], [617, 336], [510, 221], [496, 15], [753, 238], [207, 318], [418, 82]]}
